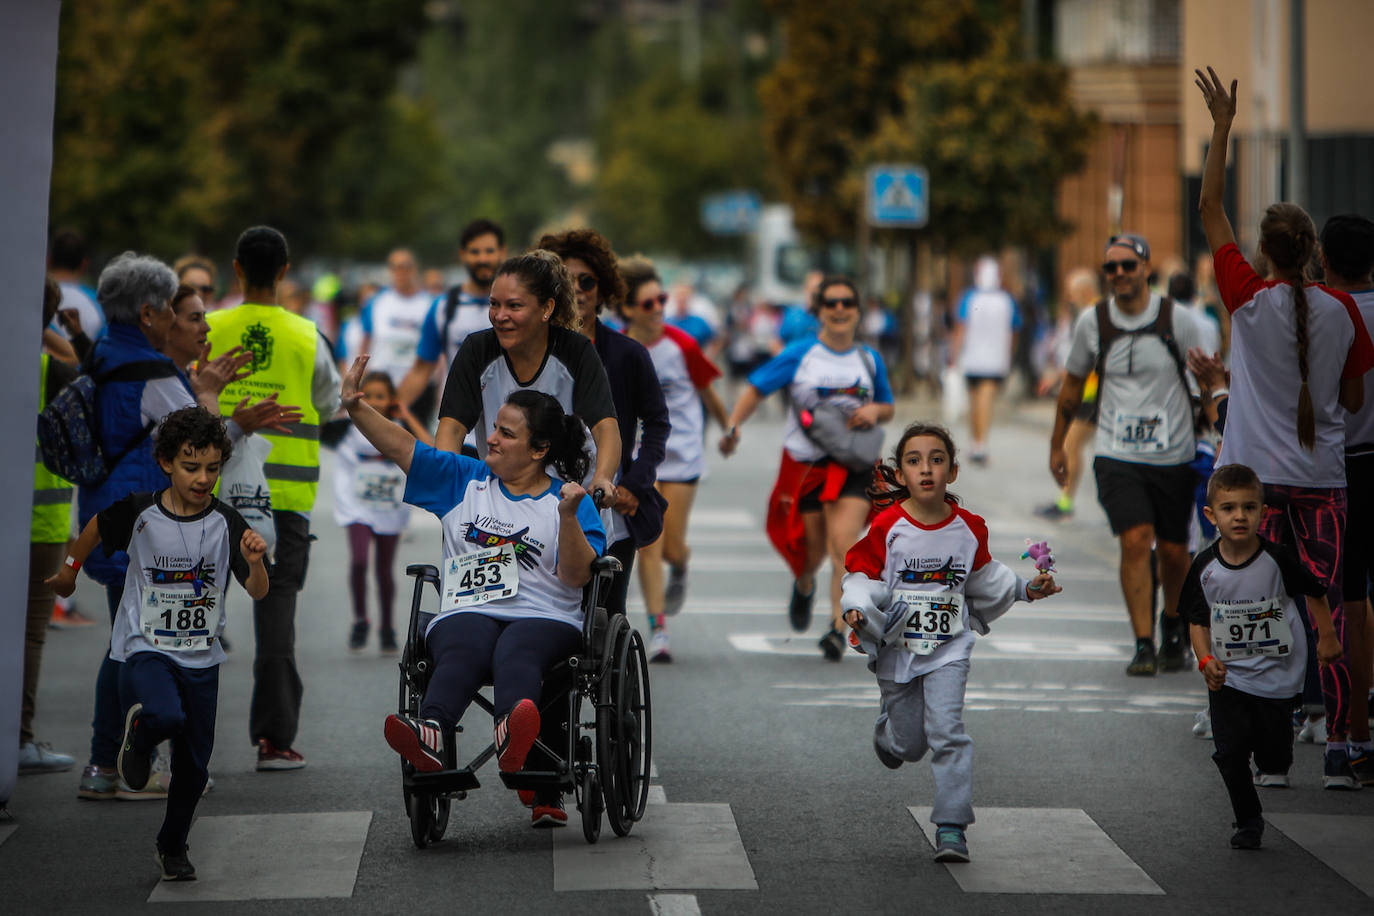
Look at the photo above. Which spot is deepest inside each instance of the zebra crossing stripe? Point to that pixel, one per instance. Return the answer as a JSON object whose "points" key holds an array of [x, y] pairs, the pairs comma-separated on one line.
{"points": [[674, 905]]}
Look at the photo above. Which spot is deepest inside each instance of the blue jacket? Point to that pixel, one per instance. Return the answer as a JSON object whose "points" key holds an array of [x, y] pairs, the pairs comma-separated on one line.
{"points": [[118, 409]]}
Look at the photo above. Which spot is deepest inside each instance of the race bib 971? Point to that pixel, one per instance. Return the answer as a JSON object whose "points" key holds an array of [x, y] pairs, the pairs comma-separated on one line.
{"points": [[178, 620], [1251, 628], [471, 579], [932, 619]]}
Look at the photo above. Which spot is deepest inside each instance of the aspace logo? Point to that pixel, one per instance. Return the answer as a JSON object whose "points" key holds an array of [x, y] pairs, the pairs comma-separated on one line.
{"points": [[203, 571], [527, 552], [921, 571]]}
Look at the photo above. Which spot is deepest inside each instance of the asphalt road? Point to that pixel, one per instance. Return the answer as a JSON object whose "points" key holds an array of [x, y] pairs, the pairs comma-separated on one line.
{"points": [[1091, 791]]}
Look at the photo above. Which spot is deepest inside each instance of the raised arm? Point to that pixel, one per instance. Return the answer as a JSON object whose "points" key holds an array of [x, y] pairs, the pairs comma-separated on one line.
{"points": [[395, 443], [1222, 105]]}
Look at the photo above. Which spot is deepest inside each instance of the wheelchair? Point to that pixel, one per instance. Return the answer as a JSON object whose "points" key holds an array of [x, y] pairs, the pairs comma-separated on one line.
{"points": [[596, 738]]}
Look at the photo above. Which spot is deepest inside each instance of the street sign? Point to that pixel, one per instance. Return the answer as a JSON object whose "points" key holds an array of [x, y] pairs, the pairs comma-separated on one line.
{"points": [[897, 196], [730, 212]]}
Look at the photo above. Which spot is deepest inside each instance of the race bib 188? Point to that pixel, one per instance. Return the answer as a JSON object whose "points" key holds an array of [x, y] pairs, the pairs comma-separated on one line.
{"points": [[476, 578], [379, 489], [1140, 434], [1251, 628], [177, 620], [932, 619]]}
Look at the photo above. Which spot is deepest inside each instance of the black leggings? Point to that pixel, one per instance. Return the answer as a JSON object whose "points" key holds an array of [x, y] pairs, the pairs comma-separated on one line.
{"points": [[470, 649]]}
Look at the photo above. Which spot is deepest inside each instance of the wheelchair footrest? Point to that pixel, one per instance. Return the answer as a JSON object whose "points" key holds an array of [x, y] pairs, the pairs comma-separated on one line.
{"points": [[538, 779], [444, 781]]}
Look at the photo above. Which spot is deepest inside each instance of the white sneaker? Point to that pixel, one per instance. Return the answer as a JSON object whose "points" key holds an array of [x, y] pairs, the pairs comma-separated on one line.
{"points": [[1202, 724], [1271, 780], [39, 757], [658, 647], [1313, 731]]}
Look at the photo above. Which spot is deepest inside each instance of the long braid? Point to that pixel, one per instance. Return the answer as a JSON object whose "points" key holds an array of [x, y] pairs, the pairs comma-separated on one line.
{"points": [[1307, 419], [1287, 238]]}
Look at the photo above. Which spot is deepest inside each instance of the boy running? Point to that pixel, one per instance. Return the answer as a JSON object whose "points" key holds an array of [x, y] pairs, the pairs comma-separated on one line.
{"points": [[168, 626], [1250, 642]]}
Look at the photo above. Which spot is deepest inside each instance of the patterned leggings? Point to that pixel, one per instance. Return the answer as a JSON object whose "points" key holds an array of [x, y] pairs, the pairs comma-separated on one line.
{"points": [[1312, 519]]}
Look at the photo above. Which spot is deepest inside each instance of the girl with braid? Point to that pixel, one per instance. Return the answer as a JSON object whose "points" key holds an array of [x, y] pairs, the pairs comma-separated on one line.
{"points": [[1298, 355]]}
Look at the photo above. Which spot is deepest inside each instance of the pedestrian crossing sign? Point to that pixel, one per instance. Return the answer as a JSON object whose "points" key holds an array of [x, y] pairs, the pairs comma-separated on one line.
{"points": [[897, 196]]}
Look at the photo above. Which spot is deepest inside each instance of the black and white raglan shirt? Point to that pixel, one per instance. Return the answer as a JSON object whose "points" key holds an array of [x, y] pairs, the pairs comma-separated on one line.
{"points": [[1256, 631], [174, 589]]}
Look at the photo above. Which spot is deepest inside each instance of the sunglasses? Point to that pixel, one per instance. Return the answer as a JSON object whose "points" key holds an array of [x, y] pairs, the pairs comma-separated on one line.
{"points": [[648, 304], [1127, 266], [846, 302], [585, 282], [204, 290]]}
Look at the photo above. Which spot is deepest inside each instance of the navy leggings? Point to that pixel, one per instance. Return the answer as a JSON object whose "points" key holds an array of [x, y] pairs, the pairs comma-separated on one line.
{"points": [[178, 703], [470, 649]]}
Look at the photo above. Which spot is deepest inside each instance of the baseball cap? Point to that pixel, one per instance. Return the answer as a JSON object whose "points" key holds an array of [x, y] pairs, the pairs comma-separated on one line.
{"points": [[1134, 242]]}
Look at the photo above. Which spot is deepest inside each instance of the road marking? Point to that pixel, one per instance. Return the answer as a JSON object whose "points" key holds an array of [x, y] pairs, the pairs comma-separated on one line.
{"points": [[674, 905], [1009, 696], [1003, 648], [1010, 855], [677, 846], [272, 857], [706, 517], [1341, 842], [777, 607], [656, 796]]}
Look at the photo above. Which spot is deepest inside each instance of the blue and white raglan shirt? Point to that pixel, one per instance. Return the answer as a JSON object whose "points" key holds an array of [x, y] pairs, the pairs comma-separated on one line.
{"points": [[470, 313], [814, 373], [392, 323], [478, 514], [179, 566]]}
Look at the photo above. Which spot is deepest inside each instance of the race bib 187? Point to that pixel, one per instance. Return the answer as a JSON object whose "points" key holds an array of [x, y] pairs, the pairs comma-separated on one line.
{"points": [[1140, 434], [1251, 628], [178, 620], [471, 579], [932, 619]]}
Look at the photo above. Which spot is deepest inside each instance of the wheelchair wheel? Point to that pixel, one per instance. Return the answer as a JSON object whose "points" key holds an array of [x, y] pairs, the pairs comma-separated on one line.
{"points": [[624, 732], [439, 811], [421, 813], [591, 806]]}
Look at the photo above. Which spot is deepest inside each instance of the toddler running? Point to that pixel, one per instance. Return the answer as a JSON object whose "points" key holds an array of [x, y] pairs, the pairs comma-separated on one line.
{"points": [[368, 506], [167, 629], [916, 586], [1250, 642]]}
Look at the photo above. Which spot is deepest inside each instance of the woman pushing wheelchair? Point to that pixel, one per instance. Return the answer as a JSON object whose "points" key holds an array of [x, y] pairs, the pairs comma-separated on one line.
{"points": [[518, 547]]}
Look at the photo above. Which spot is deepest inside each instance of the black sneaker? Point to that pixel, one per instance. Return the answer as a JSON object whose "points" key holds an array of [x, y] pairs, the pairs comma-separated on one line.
{"points": [[134, 765], [1248, 835], [1144, 664], [950, 844], [799, 608], [1171, 646], [175, 866], [1053, 512], [387, 639], [1337, 772], [358, 638], [832, 646]]}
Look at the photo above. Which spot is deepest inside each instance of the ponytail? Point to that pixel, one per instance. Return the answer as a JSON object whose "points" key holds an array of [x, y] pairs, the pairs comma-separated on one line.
{"points": [[561, 434], [1288, 238], [1307, 419], [567, 453], [887, 488]]}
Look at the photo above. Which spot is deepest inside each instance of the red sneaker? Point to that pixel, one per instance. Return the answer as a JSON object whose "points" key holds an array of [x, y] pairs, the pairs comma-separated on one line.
{"points": [[419, 741], [515, 734], [271, 757], [549, 814], [526, 797]]}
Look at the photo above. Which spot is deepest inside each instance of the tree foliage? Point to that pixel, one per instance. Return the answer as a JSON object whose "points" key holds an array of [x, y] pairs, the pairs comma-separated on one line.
{"points": [[937, 82], [179, 122]]}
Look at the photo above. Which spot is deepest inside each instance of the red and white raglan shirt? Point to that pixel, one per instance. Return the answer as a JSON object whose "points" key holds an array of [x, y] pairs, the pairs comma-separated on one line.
{"points": [[1262, 417], [944, 584], [682, 371]]}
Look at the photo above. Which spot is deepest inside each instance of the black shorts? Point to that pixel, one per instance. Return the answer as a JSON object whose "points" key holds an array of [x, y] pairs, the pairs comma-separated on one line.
{"points": [[973, 380], [1087, 411], [1146, 494], [1359, 538], [855, 484]]}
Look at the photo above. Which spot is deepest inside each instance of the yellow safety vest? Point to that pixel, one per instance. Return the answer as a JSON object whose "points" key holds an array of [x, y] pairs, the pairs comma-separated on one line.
{"points": [[283, 348], [52, 495]]}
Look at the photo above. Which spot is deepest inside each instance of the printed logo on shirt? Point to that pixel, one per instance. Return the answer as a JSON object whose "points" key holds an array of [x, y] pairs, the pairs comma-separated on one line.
{"points": [[484, 531], [249, 497], [257, 340], [856, 390], [922, 570], [171, 570]]}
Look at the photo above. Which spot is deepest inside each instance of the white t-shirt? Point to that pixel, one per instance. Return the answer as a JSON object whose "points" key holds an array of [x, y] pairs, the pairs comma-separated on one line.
{"points": [[368, 489], [990, 318], [478, 513], [682, 371], [1141, 386], [1262, 417], [392, 322], [814, 373], [76, 296], [1359, 427], [170, 555]]}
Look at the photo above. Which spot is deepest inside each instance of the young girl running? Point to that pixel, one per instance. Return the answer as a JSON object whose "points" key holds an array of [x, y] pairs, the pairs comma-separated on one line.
{"points": [[1298, 356], [916, 585], [367, 504]]}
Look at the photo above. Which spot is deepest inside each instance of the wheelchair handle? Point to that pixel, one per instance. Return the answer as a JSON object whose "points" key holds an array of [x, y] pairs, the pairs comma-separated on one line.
{"points": [[599, 497]]}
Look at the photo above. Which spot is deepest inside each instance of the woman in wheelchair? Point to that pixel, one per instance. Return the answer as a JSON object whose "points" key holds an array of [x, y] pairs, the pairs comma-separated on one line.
{"points": [[518, 547]]}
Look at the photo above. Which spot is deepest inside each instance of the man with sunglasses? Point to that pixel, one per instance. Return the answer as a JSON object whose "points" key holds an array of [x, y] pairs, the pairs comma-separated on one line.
{"points": [[1145, 438]]}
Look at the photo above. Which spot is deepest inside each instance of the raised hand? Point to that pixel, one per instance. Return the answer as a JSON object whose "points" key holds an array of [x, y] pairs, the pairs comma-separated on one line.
{"points": [[252, 546], [266, 414], [1207, 368], [569, 498], [214, 375], [351, 393], [1220, 103]]}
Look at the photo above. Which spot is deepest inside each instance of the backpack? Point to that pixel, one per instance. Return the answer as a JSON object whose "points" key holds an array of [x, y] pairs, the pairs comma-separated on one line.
{"points": [[827, 425], [450, 309], [69, 426], [1162, 327]]}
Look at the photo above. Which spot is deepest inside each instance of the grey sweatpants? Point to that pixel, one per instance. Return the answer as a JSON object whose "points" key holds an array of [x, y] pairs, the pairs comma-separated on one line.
{"points": [[927, 713]]}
